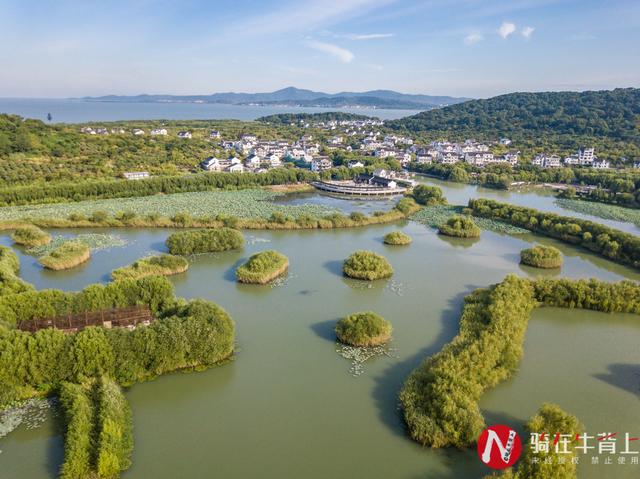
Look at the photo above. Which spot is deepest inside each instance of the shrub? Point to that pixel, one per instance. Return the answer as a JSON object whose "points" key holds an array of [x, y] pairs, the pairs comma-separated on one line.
{"points": [[76, 217], [460, 227], [98, 216], [541, 256], [367, 265], [30, 236], [357, 216], [262, 267], [363, 329], [67, 255], [125, 216], [204, 241], [406, 206], [9, 281], [397, 238], [550, 419], [163, 265], [428, 195]]}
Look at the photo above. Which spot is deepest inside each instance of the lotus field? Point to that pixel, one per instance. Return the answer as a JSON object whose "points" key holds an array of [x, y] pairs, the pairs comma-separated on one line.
{"points": [[242, 204]]}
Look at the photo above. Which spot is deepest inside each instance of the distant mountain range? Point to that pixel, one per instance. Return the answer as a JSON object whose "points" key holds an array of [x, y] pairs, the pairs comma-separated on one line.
{"points": [[292, 96]]}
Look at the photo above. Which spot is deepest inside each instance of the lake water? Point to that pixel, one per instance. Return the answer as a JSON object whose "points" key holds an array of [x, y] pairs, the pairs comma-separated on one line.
{"points": [[287, 406], [78, 111]]}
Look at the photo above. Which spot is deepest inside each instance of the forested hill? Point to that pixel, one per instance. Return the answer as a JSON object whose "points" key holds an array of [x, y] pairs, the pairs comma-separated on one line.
{"points": [[612, 114], [295, 118]]}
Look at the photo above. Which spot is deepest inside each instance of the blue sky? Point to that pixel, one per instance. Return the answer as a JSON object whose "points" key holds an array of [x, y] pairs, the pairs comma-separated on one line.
{"points": [[476, 48]]}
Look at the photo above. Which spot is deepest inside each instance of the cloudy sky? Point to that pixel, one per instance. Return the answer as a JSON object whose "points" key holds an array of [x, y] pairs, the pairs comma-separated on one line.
{"points": [[475, 48]]}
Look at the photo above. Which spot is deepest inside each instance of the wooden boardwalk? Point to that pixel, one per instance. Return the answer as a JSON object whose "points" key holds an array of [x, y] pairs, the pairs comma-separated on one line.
{"points": [[129, 317], [353, 190]]}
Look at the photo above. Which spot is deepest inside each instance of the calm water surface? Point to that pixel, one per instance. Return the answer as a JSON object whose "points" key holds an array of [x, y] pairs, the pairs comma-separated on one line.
{"points": [[287, 407], [77, 111]]}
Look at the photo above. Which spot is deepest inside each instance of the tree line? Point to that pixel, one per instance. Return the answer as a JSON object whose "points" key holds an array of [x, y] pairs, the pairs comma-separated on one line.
{"points": [[184, 335], [608, 242], [440, 397]]}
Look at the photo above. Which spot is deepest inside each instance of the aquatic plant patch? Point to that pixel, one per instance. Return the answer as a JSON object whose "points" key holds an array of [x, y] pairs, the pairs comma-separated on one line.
{"points": [[434, 216], [246, 204], [601, 210], [95, 242], [360, 355]]}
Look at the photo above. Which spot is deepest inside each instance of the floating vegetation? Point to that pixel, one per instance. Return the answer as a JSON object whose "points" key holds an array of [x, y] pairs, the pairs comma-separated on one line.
{"points": [[359, 355], [282, 280], [601, 210], [32, 414], [434, 216], [250, 203], [94, 241], [256, 240], [395, 287]]}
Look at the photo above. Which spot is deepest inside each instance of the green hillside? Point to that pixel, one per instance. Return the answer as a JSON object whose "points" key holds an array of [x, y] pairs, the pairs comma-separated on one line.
{"points": [[608, 120]]}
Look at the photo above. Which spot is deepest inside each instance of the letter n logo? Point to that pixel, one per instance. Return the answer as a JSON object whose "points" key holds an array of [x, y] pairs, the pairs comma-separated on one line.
{"points": [[499, 446]]}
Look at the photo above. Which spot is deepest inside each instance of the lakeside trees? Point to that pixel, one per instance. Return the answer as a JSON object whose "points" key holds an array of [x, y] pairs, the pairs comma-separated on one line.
{"points": [[428, 195], [611, 243], [184, 335], [440, 397]]}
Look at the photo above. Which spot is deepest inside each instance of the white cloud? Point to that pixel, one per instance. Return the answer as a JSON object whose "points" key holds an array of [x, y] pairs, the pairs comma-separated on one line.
{"points": [[342, 54], [301, 16], [527, 31], [506, 29], [369, 36], [473, 38]]}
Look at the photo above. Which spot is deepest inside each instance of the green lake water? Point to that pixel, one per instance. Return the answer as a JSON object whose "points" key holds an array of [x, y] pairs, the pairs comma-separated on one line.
{"points": [[287, 406]]}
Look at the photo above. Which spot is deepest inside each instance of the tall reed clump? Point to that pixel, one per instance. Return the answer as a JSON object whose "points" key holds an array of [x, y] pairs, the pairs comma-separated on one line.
{"points": [[99, 432], [460, 227], [262, 267], [114, 430], [67, 255], [363, 329], [204, 241], [30, 235], [541, 256], [79, 415], [397, 238], [367, 265], [160, 265]]}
